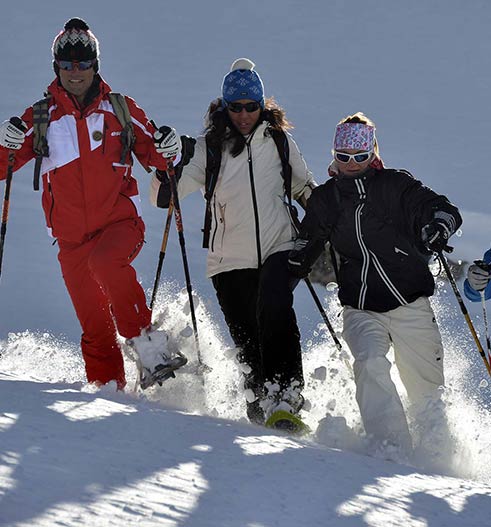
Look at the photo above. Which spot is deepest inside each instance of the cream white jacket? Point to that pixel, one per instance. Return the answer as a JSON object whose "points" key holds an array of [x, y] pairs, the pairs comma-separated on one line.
{"points": [[249, 206]]}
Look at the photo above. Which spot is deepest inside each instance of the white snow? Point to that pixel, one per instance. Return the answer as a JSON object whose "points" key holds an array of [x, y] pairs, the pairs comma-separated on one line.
{"points": [[74, 455]]}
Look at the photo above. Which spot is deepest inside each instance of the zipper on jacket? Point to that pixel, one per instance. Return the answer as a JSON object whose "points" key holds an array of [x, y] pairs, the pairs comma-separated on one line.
{"points": [[366, 257], [254, 203], [367, 254]]}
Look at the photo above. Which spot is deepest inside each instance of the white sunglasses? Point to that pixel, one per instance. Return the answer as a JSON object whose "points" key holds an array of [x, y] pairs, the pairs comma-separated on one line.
{"points": [[361, 157]]}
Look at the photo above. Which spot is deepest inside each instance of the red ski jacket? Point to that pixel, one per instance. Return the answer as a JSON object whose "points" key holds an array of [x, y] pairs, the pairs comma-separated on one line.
{"points": [[85, 186]]}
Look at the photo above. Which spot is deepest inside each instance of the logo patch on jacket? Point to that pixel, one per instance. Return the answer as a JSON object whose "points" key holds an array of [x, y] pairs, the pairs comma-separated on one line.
{"points": [[97, 135]]}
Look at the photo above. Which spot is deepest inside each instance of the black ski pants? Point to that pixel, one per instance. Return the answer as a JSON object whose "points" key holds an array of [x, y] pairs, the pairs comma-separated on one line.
{"points": [[258, 309]]}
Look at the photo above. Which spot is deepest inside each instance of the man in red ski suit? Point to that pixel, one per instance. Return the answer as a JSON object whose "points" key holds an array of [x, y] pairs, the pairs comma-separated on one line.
{"points": [[90, 199]]}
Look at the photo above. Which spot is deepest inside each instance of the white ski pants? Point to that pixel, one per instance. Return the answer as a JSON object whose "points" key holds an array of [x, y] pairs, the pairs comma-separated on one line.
{"points": [[418, 352]]}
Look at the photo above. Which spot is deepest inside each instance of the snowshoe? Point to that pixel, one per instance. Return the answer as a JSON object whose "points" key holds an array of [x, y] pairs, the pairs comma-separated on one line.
{"points": [[162, 372], [286, 422]]}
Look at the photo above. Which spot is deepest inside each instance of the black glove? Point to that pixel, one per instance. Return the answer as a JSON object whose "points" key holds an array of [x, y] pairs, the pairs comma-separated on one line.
{"points": [[298, 264], [187, 152], [435, 235]]}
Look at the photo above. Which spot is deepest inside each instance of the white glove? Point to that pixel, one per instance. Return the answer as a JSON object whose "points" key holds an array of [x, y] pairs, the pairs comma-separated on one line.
{"points": [[167, 142], [478, 277], [11, 134]]}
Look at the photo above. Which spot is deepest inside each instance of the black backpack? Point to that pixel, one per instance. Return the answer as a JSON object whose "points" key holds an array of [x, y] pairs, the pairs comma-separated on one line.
{"points": [[213, 163]]}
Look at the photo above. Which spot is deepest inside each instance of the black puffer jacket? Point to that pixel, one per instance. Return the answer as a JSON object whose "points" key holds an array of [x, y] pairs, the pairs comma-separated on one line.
{"points": [[374, 223]]}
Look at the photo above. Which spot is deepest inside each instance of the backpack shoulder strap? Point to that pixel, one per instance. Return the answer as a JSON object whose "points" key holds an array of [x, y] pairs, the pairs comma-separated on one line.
{"points": [[281, 140], [40, 123], [120, 107], [213, 163], [283, 146]]}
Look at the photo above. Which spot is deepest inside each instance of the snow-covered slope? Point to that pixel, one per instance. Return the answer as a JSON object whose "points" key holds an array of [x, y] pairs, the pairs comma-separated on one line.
{"points": [[72, 456]]}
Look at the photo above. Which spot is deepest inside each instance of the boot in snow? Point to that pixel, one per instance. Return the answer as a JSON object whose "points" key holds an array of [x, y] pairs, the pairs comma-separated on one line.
{"points": [[153, 360], [282, 408]]}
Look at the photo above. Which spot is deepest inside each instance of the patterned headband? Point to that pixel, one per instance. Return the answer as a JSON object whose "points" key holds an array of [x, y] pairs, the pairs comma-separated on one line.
{"points": [[354, 136]]}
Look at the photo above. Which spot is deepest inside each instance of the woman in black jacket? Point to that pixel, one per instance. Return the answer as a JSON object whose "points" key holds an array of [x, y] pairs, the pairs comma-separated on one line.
{"points": [[383, 224]]}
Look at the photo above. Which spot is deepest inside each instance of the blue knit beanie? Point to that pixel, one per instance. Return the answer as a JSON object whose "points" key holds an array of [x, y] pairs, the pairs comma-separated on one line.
{"points": [[242, 83]]}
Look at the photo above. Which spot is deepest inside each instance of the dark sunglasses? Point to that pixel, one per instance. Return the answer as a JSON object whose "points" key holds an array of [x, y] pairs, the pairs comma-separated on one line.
{"points": [[249, 107], [359, 158], [82, 65]]}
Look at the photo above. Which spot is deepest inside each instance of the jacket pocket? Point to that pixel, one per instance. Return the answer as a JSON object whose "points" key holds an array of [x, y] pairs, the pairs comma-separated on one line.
{"points": [[397, 250], [219, 227], [122, 171], [139, 227], [48, 200]]}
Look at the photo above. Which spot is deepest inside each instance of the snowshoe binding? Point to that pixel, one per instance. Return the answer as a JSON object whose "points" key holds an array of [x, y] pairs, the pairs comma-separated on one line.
{"points": [[162, 372], [153, 358]]}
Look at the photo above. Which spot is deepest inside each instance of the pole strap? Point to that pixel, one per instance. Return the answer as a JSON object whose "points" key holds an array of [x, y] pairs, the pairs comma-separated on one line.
{"points": [[40, 123]]}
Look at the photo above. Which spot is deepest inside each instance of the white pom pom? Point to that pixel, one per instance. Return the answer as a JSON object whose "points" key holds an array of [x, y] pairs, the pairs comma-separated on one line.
{"points": [[242, 64]]}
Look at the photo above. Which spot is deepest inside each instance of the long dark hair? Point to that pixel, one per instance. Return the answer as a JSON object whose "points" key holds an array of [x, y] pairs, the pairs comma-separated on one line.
{"points": [[219, 128]]}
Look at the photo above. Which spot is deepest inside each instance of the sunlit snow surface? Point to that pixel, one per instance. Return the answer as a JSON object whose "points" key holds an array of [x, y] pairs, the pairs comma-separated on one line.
{"points": [[182, 454], [214, 388]]}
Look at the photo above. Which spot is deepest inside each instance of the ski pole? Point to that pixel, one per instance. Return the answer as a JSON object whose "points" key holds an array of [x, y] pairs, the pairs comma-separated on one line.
{"points": [[460, 301], [5, 208], [486, 326], [323, 314], [180, 231], [162, 253], [6, 197]]}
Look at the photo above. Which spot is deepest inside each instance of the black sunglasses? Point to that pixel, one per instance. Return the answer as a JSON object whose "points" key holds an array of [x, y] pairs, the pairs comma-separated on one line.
{"points": [[249, 107], [82, 65]]}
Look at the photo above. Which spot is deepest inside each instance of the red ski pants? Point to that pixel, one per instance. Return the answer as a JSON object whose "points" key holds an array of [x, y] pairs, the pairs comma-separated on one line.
{"points": [[106, 295]]}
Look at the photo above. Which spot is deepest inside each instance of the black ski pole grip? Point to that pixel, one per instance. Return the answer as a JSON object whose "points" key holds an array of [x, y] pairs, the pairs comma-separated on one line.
{"points": [[448, 249]]}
